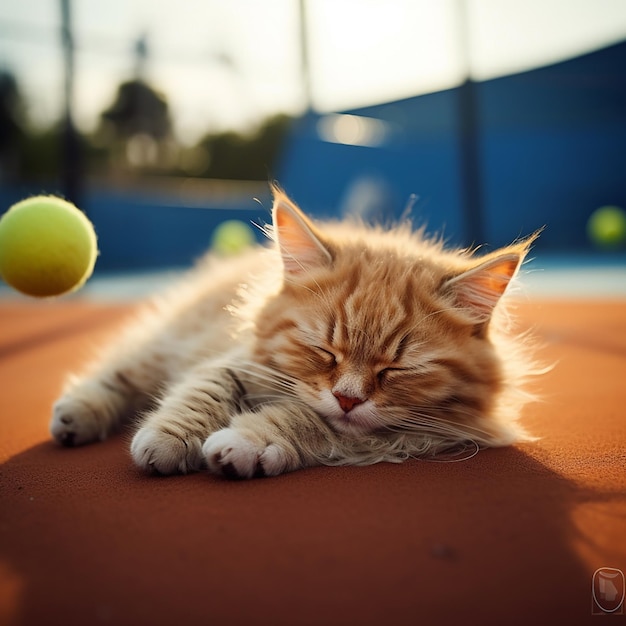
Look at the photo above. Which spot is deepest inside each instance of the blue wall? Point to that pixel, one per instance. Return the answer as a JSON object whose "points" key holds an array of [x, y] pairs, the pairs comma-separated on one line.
{"points": [[551, 148], [140, 233]]}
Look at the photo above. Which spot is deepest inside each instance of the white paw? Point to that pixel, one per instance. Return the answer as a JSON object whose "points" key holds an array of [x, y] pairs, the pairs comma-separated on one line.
{"points": [[162, 452], [75, 422], [233, 455]]}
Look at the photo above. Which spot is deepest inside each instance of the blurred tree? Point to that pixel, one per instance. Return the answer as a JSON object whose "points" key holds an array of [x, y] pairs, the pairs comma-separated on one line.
{"points": [[135, 135], [232, 155], [12, 126], [137, 126], [41, 154], [138, 109]]}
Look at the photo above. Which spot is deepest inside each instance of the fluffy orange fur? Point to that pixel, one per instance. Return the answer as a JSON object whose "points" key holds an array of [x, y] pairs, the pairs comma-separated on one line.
{"points": [[341, 344]]}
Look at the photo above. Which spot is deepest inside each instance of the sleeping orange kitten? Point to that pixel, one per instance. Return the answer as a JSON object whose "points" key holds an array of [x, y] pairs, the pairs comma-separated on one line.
{"points": [[343, 344]]}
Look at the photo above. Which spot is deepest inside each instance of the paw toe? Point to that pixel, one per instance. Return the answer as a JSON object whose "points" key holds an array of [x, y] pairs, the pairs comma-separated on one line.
{"points": [[74, 424], [67, 439], [234, 456], [162, 453], [228, 470]]}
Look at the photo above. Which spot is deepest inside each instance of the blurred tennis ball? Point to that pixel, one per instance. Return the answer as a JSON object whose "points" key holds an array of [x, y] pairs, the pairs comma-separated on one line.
{"points": [[48, 247], [231, 237], [607, 227]]}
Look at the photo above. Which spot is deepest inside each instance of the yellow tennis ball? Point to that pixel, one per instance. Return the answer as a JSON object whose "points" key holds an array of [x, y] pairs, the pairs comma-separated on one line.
{"points": [[232, 237], [607, 227], [47, 247]]}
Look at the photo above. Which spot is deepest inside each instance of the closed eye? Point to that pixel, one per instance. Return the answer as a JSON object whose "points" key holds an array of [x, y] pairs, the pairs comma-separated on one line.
{"points": [[329, 357], [388, 372]]}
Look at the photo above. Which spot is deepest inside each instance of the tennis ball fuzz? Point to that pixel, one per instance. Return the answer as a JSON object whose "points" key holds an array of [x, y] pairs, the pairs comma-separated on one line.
{"points": [[47, 247]]}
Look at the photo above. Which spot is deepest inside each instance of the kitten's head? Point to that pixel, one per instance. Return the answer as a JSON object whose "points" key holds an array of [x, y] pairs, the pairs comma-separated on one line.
{"points": [[386, 331]]}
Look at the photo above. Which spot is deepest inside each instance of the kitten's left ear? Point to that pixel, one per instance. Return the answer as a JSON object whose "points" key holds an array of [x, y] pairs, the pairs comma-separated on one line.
{"points": [[478, 290], [301, 244]]}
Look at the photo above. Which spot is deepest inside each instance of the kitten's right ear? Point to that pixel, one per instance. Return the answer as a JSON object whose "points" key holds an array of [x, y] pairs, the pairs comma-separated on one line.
{"points": [[478, 290], [301, 245]]}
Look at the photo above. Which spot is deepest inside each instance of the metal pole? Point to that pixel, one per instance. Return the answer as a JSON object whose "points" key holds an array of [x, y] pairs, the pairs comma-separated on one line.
{"points": [[469, 140], [304, 57], [71, 165]]}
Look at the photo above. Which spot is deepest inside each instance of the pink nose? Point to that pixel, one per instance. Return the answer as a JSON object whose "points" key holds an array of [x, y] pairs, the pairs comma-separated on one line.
{"points": [[347, 404]]}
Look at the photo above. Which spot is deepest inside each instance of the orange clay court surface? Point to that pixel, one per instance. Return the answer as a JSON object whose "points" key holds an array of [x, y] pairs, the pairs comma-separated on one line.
{"points": [[510, 536]]}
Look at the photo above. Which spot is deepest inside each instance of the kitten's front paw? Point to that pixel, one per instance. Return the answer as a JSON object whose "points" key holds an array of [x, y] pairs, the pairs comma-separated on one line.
{"points": [[75, 422], [161, 452], [233, 455]]}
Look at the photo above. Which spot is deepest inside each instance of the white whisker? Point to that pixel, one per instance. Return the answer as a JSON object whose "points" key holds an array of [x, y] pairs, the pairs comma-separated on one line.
{"points": [[440, 458], [420, 422]]}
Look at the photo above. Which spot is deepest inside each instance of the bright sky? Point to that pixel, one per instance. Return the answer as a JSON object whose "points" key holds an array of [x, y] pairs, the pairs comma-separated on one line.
{"points": [[361, 51]]}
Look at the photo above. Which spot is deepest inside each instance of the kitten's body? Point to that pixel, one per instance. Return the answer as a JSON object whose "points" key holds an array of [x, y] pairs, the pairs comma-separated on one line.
{"points": [[344, 345]]}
